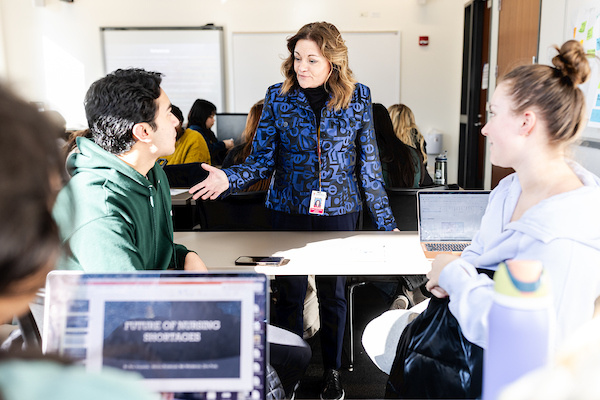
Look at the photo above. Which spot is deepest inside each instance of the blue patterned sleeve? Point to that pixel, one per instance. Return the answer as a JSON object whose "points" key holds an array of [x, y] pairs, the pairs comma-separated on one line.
{"points": [[261, 162], [371, 177]]}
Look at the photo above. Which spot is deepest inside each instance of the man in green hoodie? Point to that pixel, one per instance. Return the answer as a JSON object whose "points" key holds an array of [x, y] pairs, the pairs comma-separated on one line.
{"points": [[114, 214]]}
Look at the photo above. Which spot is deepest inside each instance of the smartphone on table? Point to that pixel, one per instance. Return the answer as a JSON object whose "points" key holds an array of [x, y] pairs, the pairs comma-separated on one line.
{"points": [[259, 260]]}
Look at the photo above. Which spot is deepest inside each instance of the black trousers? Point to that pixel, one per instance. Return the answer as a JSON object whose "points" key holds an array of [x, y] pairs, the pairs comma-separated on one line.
{"points": [[331, 290]]}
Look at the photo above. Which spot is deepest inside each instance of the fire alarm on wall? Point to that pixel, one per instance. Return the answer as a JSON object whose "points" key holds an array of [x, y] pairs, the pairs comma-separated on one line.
{"points": [[423, 40]]}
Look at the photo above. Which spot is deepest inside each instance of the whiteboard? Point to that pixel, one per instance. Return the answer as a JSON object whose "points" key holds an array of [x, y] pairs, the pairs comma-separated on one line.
{"points": [[191, 60], [374, 57]]}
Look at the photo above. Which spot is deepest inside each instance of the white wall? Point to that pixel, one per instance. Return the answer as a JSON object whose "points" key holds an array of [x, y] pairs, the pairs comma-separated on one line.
{"points": [[69, 32]]}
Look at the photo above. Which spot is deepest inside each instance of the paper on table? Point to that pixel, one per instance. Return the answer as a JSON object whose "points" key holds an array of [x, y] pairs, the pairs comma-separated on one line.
{"points": [[348, 250], [175, 192]]}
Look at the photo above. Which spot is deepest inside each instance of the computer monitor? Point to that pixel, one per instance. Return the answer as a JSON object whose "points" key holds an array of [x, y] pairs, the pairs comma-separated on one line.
{"points": [[182, 331], [230, 126]]}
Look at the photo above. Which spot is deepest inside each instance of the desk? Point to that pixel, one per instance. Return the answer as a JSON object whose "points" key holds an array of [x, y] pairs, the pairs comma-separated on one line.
{"points": [[320, 253]]}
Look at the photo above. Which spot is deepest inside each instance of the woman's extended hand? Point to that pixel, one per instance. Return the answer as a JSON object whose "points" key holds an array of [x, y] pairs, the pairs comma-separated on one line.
{"points": [[437, 266], [215, 183]]}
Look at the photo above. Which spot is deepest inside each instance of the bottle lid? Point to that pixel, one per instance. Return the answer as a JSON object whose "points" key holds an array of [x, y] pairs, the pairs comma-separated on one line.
{"points": [[442, 157], [521, 278]]}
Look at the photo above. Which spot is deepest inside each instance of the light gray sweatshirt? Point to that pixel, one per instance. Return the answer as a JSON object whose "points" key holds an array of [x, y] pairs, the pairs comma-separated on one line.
{"points": [[563, 232]]}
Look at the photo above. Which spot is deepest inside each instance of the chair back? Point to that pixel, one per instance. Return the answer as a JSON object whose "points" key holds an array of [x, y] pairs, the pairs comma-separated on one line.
{"points": [[403, 202], [243, 211], [185, 175]]}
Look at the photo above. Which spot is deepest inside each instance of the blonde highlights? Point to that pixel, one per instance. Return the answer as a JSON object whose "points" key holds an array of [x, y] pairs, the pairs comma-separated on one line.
{"points": [[340, 83], [406, 128]]}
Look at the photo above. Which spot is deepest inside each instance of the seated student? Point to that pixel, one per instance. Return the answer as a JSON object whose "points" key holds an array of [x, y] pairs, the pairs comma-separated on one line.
{"points": [[201, 119], [239, 153], [29, 245], [406, 129], [402, 165], [115, 211], [190, 146], [547, 211]]}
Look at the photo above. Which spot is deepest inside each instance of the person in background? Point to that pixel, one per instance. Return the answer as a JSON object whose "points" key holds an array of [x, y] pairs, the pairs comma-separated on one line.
{"points": [[201, 118], [547, 210], [239, 153], [402, 165], [190, 146], [402, 168], [114, 214], [29, 246], [316, 138], [406, 128]]}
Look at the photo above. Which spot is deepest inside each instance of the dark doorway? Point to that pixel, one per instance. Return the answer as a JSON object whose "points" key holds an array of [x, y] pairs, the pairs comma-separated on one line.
{"points": [[471, 153]]}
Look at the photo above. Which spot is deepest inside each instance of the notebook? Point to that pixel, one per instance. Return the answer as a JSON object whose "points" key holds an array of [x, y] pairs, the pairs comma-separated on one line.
{"points": [[449, 219], [183, 332]]}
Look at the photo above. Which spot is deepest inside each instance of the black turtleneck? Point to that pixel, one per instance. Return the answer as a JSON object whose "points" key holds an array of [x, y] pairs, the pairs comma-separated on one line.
{"points": [[317, 97]]}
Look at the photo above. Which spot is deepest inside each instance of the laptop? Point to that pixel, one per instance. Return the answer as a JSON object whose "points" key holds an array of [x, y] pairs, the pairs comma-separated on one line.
{"points": [[183, 332], [449, 219]]}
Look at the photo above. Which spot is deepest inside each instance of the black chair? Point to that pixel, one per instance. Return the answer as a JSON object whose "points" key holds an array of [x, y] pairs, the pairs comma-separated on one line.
{"points": [[403, 202], [243, 211], [185, 175]]}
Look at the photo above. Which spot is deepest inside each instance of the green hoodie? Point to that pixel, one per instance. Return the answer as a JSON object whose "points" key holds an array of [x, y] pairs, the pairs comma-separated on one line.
{"points": [[113, 218]]}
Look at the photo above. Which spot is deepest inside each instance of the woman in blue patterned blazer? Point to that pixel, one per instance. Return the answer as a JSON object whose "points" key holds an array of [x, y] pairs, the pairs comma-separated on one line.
{"points": [[315, 140]]}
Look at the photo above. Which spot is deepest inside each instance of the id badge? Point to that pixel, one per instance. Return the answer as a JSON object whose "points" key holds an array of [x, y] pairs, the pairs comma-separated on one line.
{"points": [[317, 202]]}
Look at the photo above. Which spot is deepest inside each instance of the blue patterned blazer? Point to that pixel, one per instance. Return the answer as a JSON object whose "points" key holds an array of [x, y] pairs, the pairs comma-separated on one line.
{"points": [[285, 148]]}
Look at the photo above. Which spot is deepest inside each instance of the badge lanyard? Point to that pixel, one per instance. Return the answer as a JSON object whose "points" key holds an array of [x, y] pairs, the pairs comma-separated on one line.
{"points": [[318, 197], [319, 154]]}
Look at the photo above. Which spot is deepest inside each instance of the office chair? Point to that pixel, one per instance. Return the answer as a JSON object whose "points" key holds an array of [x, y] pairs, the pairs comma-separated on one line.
{"points": [[403, 202], [243, 211], [184, 175]]}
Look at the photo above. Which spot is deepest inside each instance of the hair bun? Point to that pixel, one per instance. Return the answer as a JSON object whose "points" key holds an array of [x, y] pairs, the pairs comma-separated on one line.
{"points": [[571, 61]]}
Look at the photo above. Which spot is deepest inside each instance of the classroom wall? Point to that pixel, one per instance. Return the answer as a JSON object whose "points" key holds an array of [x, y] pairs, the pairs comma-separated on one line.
{"points": [[53, 53], [555, 28]]}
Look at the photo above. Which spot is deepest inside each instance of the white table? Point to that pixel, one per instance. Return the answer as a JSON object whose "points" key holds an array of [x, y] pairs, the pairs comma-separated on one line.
{"points": [[319, 253]]}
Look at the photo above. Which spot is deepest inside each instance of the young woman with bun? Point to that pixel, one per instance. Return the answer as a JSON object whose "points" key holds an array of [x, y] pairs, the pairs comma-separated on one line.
{"points": [[547, 210]]}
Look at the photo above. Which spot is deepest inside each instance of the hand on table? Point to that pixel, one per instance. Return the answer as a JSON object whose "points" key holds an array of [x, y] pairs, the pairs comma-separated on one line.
{"points": [[193, 262], [437, 266], [215, 183]]}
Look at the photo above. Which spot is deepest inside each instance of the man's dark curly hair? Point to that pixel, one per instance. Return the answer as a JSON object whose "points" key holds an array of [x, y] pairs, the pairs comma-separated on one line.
{"points": [[115, 103]]}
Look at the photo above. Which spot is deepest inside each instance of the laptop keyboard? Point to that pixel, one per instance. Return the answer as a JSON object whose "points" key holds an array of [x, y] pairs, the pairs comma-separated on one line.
{"points": [[446, 246]]}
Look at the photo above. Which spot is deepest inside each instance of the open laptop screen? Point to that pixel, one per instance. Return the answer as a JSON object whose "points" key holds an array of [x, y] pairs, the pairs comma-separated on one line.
{"points": [[182, 332], [451, 215]]}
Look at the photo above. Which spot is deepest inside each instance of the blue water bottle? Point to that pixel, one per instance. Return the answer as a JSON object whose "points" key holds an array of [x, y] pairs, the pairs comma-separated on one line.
{"points": [[519, 325]]}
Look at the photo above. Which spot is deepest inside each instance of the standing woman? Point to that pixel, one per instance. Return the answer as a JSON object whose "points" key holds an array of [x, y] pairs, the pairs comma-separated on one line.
{"points": [[316, 136]]}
